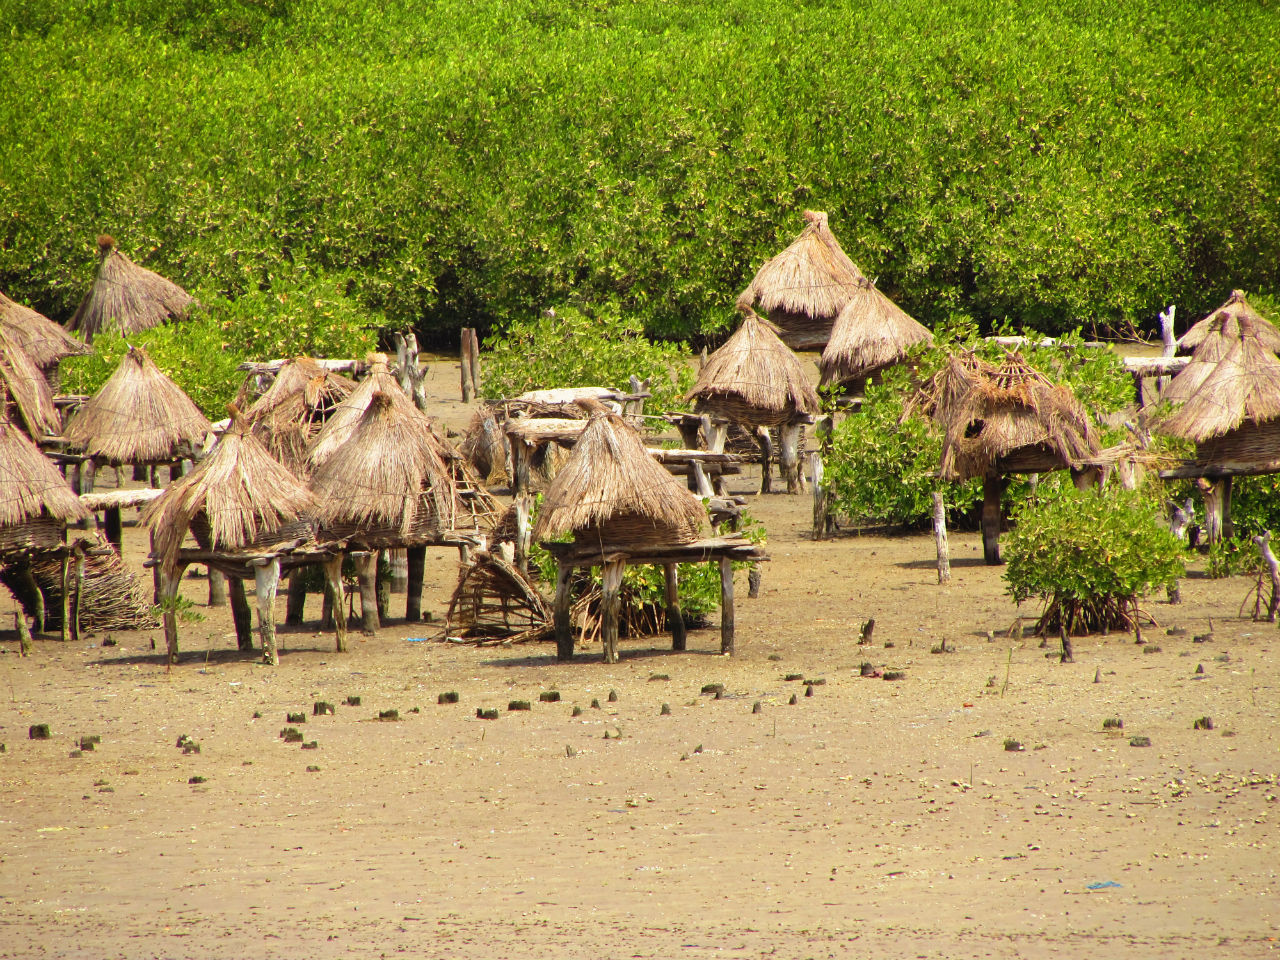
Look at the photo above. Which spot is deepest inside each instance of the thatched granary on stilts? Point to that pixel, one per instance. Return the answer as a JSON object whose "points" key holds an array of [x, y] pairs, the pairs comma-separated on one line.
{"points": [[46, 343], [754, 379], [126, 298], [288, 417], [1233, 417], [386, 487], [1235, 318], [139, 417], [250, 516], [803, 289], [1008, 419], [29, 402], [870, 334], [35, 502]]}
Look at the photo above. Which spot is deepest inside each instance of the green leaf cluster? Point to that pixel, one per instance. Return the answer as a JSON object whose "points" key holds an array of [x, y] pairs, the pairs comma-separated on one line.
{"points": [[470, 164]]}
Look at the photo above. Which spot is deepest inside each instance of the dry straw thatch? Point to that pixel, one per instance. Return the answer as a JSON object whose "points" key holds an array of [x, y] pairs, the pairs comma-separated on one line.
{"points": [[138, 416], [240, 494], [345, 417], [45, 342], [754, 378], [1235, 318], [1244, 387], [870, 333], [30, 401], [611, 491], [35, 501], [1011, 420], [126, 297], [386, 485], [804, 288], [289, 416]]}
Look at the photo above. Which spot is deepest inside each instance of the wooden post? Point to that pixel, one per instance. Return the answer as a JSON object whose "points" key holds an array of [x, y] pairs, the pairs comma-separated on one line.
{"points": [[113, 526], [609, 601], [821, 498], [523, 532], [416, 565], [217, 588], [1228, 528], [266, 578], [399, 570], [88, 474], [155, 574], [366, 573], [31, 587], [675, 617], [521, 454], [382, 589], [940, 538], [726, 605], [1168, 344], [333, 584], [24, 633], [765, 442], [792, 434], [175, 471], [326, 610], [473, 357], [1211, 492], [66, 600], [992, 491], [241, 615], [295, 604], [1263, 543], [170, 577], [561, 611], [77, 603], [468, 385], [717, 431], [689, 431], [701, 485]]}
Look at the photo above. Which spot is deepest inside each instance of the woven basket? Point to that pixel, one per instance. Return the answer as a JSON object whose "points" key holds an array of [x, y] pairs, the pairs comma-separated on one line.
{"points": [[1250, 442], [736, 409], [266, 539], [631, 530], [799, 331], [40, 533]]}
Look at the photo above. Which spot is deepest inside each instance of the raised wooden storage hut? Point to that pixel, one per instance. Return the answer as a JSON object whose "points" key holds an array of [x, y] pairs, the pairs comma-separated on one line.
{"points": [[871, 333]]}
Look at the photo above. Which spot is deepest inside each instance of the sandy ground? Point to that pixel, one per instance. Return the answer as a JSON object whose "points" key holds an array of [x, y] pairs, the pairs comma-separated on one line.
{"points": [[871, 819]]}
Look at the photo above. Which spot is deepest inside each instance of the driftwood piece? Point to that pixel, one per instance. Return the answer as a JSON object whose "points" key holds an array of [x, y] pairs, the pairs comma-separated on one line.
{"points": [[940, 538]]}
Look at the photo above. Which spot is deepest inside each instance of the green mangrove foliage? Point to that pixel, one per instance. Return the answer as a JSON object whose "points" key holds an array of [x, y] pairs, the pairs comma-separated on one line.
{"points": [[473, 164]]}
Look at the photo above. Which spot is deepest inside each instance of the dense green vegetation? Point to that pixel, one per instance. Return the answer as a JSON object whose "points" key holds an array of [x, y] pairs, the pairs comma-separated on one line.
{"points": [[450, 163]]}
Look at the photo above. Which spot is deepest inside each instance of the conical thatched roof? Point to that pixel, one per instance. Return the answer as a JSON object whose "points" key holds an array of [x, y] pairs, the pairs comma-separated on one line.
{"points": [[346, 416], [1244, 386], [612, 491], [30, 485], [243, 495], [804, 287], [138, 416], [754, 378], [386, 481], [289, 415], [941, 396], [127, 297], [1235, 318], [45, 342], [28, 390], [870, 333], [1013, 419]]}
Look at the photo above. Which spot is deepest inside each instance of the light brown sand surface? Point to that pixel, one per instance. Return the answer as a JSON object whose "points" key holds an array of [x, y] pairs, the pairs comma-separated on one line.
{"points": [[872, 819]]}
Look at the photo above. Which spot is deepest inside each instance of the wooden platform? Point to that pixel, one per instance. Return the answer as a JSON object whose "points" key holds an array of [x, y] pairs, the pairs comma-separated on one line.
{"points": [[614, 559]]}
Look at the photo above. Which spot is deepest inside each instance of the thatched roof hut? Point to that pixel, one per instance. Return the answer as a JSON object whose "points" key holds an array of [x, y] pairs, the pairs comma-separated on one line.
{"points": [[1235, 318], [237, 498], [344, 418], [612, 492], [754, 378], [1236, 400], [804, 288], [35, 501], [386, 484], [289, 416], [45, 342], [30, 401], [138, 416], [870, 333], [1013, 420], [126, 297]]}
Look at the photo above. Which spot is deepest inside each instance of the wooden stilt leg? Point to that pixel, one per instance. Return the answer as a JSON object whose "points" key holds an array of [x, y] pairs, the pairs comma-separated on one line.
{"points": [[77, 599], [31, 589], [241, 615], [992, 491], [267, 579], [366, 572], [217, 588], [326, 610], [399, 570], [726, 606], [296, 604], [170, 579], [114, 527], [765, 443], [1228, 528], [1212, 493], [382, 587], [416, 560], [791, 435], [66, 599], [609, 600], [155, 574], [675, 617], [333, 593], [560, 613]]}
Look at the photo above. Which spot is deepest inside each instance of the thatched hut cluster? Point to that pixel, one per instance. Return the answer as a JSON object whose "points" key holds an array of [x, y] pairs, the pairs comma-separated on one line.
{"points": [[803, 289], [127, 298]]}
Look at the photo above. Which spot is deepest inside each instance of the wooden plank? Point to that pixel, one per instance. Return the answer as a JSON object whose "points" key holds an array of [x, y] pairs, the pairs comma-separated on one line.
{"points": [[1155, 366], [1227, 468], [273, 366]]}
